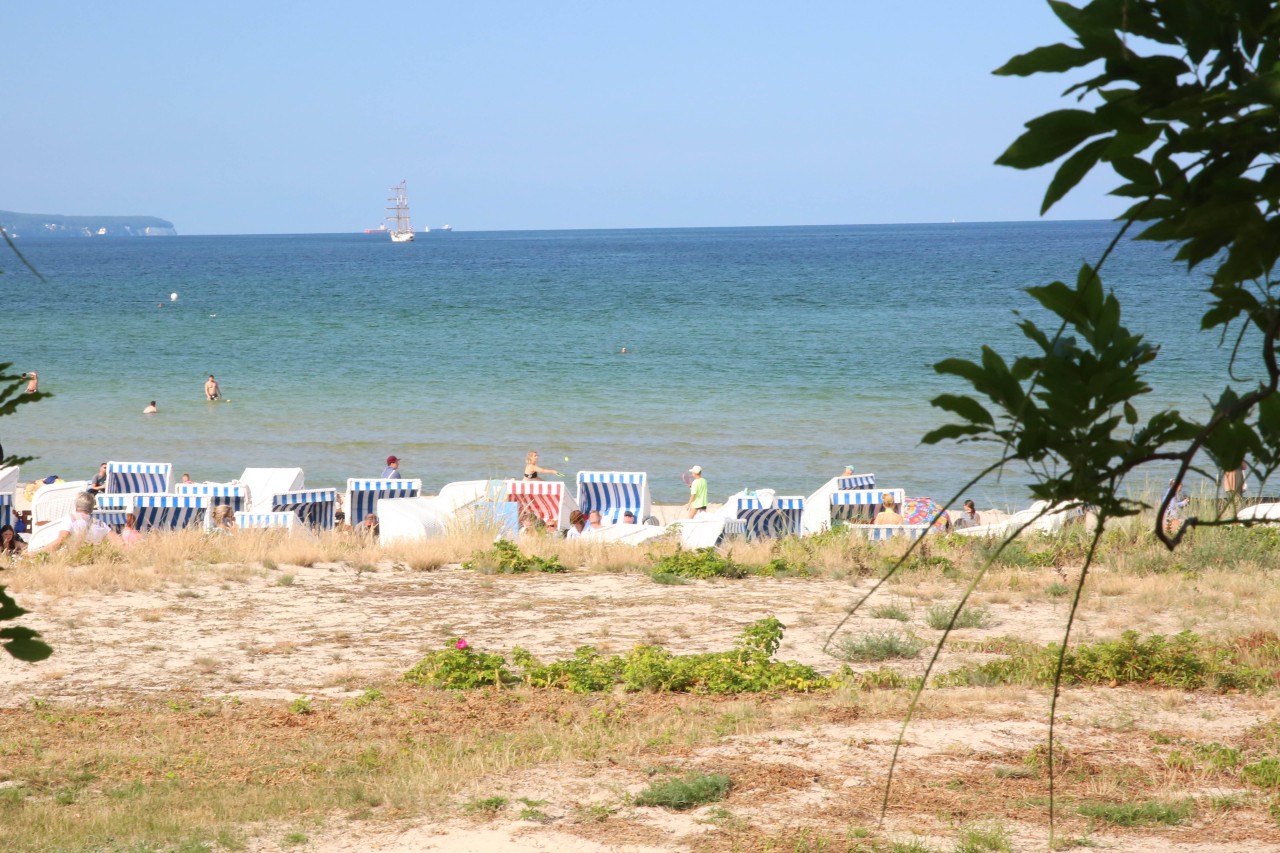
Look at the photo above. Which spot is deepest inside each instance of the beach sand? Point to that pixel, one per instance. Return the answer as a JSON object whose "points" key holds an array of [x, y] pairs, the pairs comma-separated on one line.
{"points": [[267, 636]]}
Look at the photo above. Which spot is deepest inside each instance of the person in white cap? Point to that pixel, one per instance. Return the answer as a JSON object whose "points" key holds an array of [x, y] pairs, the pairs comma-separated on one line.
{"points": [[697, 493]]}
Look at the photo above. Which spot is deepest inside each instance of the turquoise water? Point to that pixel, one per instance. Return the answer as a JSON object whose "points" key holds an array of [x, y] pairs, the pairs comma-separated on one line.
{"points": [[770, 356]]}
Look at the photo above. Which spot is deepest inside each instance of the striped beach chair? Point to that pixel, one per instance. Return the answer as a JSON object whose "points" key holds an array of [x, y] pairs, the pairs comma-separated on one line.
{"points": [[267, 520], [363, 495], [856, 481], [219, 494], [9, 478], [547, 499], [112, 509], [314, 507], [612, 493], [133, 478], [6, 508], [770, 517], [863, 503], [883, 532], [169, 512]]}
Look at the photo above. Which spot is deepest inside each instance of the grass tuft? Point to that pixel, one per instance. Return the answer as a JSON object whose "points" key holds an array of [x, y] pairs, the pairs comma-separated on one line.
{"points": [[695, 789]]}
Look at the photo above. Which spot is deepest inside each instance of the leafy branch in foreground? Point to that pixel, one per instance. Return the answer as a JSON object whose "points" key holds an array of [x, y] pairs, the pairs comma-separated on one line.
{"points": [[21, 643], [1183, 108]]}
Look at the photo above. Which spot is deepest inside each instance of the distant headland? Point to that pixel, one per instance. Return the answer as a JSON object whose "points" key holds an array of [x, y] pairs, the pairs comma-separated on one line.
{"points": [[57, 225]]}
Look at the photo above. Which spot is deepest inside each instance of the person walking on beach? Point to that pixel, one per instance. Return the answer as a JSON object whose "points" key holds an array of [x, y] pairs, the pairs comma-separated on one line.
{"points": [[697, 493], [392, 471], [33, 381], [150, 409], [531, 469], [211, 389], [1233, 483]]}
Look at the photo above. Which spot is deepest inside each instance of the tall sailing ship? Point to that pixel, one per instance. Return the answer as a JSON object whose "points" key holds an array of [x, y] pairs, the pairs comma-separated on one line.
{"points": [[401, 230]]}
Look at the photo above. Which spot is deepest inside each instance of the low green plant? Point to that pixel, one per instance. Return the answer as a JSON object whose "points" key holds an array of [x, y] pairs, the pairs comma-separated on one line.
{"points": [[879, 646], [486, 806], [1139, 814], [1057, 590], [986, 838], [748, 668], [301, 705], [505, 558], [293, 839], [459, 667], [701, 563], [692, 790], [367, 698], [939, 616], [890, 611], [668, 579], [1264, 773], [1183, 661]]}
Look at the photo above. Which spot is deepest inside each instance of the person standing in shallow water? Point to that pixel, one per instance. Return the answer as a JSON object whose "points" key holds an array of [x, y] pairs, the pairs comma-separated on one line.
{"points": [[211, 389], [531, 469]]}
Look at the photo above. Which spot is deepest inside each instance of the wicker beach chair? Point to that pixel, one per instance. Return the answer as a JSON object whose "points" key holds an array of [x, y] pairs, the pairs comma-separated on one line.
{"points": [[133, 478], [314, 507], [363, 495], [612, 493]]}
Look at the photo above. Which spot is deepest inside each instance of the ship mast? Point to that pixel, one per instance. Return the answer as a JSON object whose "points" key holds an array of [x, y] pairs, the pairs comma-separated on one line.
{"points": [[402, 230]]}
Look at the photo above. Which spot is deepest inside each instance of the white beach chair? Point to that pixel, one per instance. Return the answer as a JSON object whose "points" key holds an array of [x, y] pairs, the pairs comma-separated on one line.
{"points": [[817, 507], [314, 507], [412, 519], [364, 494], [613, 493], [1260, 512], [134, 478], [54, 502], [549, 500], [262, 483], [8, 493]]}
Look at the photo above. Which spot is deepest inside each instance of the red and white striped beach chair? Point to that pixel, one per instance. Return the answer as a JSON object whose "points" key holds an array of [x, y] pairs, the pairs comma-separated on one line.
{"points": [[549, 500]]}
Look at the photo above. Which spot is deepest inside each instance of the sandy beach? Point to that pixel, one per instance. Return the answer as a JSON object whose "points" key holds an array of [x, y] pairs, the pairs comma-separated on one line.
{"points": [[209, 662]]}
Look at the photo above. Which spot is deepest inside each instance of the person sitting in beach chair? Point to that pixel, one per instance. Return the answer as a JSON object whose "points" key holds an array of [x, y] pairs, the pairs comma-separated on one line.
{"points": [[968, 517], [577, 524], [890, 514], [369, 527]]}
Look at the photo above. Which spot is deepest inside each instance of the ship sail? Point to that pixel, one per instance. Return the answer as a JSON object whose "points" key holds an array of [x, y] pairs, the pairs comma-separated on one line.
{"points": [[401, 230]]}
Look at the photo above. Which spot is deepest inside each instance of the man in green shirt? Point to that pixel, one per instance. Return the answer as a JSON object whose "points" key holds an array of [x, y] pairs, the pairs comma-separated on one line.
{"points": [[697, 493]]}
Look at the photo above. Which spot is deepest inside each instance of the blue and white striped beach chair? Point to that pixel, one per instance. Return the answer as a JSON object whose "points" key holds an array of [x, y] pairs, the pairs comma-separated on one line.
{"points": [[169, 512], [219, 494], [856, 481], [9, 479], [267, 520], [6, 509], [112, 509], [613, 493], [314, 507], [883, 532], [134, 478], [863, 503], [767, 518], [363, 495]]}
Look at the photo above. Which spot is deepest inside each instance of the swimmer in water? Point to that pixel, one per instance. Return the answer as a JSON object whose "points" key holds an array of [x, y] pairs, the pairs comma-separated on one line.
{"points": [[211, 389], [33, 382], [151, 409]]}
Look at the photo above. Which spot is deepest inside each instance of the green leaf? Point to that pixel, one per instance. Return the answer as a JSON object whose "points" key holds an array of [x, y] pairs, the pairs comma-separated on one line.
{"points": [[1072, 171], [1052, 58], [1051, 136], [966, 407], [22, 644]]}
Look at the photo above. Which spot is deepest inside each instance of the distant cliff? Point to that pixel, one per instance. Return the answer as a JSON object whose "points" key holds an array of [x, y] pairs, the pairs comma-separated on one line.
{"points": [[56, 225]]}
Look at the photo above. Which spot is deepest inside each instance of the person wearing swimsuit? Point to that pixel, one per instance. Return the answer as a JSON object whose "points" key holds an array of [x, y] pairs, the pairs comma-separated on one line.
{"points": [[531, 469]]}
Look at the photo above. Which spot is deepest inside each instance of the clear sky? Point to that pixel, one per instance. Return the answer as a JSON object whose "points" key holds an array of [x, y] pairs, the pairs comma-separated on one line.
{"points": [[295, 117]]}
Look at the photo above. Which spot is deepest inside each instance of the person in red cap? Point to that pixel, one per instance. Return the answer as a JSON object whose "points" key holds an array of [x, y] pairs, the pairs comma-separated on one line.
{"points": [[393, 469]]}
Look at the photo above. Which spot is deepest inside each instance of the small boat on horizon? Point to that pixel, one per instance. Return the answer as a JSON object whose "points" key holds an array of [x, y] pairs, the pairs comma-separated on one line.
{"points": [[402, 230]]}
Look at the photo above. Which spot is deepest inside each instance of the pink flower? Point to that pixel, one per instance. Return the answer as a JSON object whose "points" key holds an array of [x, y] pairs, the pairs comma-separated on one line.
{"points": [[461, 644]]}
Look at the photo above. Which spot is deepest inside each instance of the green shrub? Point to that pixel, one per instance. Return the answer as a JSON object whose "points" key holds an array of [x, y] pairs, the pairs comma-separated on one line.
{"points": [[1183, 661], [505, 558], [668, 579], [586, 672], [459, 667], [871, 648], [983, 839], [486, 806], [890, 611], [701, 563], [939, 616], [1139, 814], [694, 789], [748, 668], [1264, 773]]}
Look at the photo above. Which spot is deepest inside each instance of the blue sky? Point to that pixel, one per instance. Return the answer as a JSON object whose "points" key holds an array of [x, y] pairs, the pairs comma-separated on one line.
{"points": [[236, 117]]}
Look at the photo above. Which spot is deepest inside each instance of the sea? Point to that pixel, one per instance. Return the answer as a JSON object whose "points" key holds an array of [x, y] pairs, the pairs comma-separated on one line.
{"points": [[773, 357]]}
